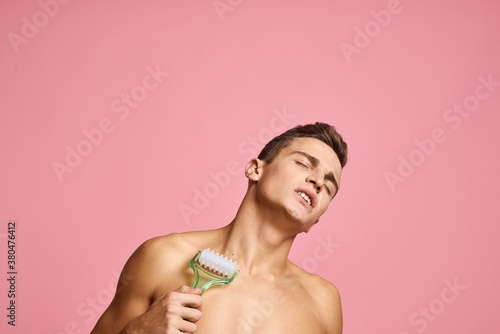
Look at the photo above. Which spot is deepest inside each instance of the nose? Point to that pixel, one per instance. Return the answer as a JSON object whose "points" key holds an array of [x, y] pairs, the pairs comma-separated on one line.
{"points": [[316, 180]]}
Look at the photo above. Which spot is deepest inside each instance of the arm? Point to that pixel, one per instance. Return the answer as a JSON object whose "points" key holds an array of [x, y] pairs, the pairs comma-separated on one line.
{"points": [[134, 308]]}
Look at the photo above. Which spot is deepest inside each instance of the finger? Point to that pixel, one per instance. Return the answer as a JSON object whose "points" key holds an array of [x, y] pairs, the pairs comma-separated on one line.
{"points": [[187, 289], [187, 327], [193, 301], [190, 314], [186, 298], [182, 300]]}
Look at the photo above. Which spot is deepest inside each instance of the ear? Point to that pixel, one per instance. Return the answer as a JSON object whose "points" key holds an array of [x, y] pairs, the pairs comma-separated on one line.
{"points": [[253, 169], [310, 227]]}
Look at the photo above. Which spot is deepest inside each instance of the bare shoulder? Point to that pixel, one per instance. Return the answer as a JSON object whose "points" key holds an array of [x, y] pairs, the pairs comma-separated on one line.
{"points": [[155, 268], [326, 298], [162, 248], [326, 289], [155, 256], [330, 304], [161, 261], [167, 249]]}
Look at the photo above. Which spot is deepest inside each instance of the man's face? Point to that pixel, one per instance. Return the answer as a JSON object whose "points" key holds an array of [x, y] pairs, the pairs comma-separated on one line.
{"points": [[301, 180]]}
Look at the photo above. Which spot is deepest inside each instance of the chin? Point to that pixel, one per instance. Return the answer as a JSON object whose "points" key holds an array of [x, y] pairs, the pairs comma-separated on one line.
{"points": [[298, 215]]}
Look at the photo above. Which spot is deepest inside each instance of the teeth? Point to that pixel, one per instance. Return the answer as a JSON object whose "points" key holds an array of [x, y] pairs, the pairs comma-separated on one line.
{"points": [[305, 197]]}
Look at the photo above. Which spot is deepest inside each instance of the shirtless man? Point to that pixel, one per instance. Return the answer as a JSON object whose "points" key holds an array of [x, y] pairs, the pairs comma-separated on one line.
{"points": [[271, 294]]}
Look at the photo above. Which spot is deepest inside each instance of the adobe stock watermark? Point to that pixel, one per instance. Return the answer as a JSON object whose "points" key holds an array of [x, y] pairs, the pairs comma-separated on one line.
{"points": [[224, 6], [454, 117], [322, 252], [90, 310], [219, 180], [373, 28], [261, 310], [121, 106], [31, 27], [430, 312]]}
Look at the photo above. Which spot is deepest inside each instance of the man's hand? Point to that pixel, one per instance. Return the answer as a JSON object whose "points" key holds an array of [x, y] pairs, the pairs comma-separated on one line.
{"points": [[175, 312]]}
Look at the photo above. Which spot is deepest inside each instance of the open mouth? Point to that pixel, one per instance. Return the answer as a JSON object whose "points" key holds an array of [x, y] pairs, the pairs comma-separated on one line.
{"points": [[305, 197]]}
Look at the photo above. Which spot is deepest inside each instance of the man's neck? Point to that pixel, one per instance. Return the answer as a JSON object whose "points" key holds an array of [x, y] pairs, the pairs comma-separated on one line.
{"points": [[256, 241]]}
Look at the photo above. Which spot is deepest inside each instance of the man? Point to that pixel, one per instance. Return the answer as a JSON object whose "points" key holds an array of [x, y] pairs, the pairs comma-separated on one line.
{"points": [[290, 186]]}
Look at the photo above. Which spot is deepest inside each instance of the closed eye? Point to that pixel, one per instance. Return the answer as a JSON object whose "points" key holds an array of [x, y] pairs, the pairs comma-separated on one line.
{"points": [[328, 190], [302, 164]]}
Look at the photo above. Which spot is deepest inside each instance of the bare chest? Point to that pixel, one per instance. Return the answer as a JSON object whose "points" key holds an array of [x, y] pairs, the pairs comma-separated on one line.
{"points": [[244, 310]]}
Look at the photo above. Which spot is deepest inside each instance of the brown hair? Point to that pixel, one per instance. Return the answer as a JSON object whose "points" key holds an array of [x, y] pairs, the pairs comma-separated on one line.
{"points": [[321, 131]]}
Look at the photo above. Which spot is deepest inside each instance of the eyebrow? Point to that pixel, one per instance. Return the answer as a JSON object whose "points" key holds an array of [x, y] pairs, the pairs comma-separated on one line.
{"points": [[315, 162]]}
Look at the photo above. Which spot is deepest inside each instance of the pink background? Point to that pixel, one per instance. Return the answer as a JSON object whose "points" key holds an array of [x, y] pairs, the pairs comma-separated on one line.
{"points": [[236, 77]]}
